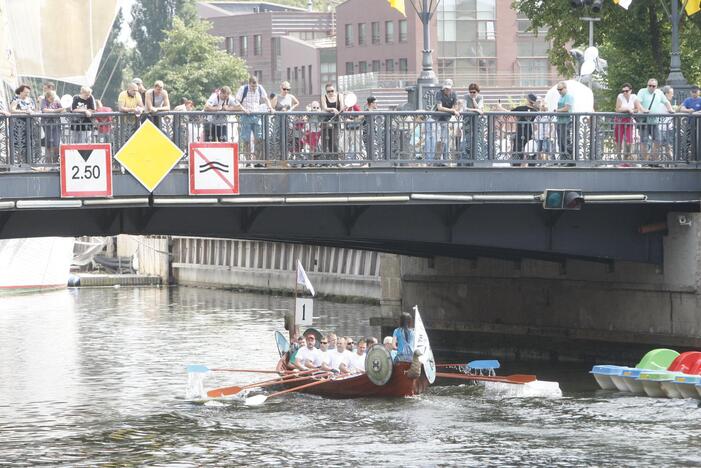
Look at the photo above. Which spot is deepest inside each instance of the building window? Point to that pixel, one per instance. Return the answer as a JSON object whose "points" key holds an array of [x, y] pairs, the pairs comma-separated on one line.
{"points": [[327, 65], [230, 47], [362, 34], [467, 40], [375, 66], [349, 35], [389, 65], [362, 67], [257, 44], [403, 65], [243, 46], [259, 75], [403, 31], [389, 32], [349, 68], [375, 32]]}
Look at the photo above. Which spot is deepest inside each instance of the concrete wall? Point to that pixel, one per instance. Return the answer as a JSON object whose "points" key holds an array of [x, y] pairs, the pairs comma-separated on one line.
{"points": [[562, 311], [151, 254], [270, 266]]}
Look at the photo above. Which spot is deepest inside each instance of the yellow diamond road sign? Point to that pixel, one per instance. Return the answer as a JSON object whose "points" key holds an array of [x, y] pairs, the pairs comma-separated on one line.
{"points": [[149, 155]]}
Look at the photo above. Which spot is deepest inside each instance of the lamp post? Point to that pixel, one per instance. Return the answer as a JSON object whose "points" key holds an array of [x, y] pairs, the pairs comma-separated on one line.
{"points": [[676, 78], [420, 96]]}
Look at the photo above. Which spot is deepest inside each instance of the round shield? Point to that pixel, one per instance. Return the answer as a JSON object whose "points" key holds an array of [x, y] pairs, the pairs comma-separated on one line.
{"points": [[282, 344], [378, 365], [429, 365], [316, 333], [350, 99]]}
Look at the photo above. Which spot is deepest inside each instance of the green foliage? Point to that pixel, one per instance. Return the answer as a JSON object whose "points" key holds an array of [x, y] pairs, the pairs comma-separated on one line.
{"points": [[151, 19], [108, 82], [192, 65], [635, 42]]}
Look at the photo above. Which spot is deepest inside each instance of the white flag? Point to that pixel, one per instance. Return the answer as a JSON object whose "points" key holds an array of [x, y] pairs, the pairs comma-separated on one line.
{"points": [[303, 279]]}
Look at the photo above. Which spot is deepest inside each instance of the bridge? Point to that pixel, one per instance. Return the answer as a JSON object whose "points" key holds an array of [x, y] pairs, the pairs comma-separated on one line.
{"points": [[462, 190], [381, 181]]}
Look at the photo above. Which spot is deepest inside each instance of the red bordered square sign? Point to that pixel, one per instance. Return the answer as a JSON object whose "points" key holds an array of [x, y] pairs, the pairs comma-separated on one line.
{"points": [[86, 170], [214, 169]]}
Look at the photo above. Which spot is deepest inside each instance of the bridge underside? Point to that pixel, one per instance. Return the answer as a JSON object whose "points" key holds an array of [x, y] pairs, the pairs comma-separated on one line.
{"points": [[603, 232]]}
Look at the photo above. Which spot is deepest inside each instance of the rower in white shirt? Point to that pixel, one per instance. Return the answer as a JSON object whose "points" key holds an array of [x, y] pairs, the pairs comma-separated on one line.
{"points": [[339, 358], [308, 357], [357, 360]]}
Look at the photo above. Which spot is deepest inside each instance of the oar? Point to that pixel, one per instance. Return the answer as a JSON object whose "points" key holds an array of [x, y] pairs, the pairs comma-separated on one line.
{"points": [[512, 379], [200, 368], [233, 390], [257, 400]]}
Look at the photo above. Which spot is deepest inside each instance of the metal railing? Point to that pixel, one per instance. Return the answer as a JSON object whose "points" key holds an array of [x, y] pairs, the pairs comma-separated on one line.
{"points": [[298, 139]]}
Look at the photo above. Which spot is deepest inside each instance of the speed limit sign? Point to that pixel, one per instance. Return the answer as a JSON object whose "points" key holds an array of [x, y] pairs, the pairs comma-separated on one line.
{"points": [[86, 170]]}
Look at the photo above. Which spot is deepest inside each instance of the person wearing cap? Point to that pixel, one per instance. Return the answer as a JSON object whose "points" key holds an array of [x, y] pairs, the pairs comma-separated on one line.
{"points": [[524, 127], [388, 343], [309, 356], [447, 104], [141, 89]]}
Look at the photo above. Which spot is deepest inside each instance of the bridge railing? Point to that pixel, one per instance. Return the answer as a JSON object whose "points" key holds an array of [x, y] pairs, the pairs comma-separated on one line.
{"points": [[296, 139]]}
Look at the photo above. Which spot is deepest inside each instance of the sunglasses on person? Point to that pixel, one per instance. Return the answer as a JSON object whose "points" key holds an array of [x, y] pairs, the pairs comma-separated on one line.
{"points": [[560, 89], [285, 89], [625, 90], [473, 92], [324, 342], [652, 86], [330, 90]]}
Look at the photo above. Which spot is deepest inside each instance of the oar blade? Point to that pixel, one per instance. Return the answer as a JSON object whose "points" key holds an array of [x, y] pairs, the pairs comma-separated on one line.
{"points": [[255, 400], [223, 392], [196, 368]]}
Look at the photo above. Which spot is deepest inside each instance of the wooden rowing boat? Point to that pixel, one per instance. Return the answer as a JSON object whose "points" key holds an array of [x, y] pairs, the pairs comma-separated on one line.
{"points": [[359, 385]]}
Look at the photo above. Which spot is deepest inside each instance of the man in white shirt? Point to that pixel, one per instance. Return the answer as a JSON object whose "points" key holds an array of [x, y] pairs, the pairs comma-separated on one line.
{"points": [[339, 358], [308, 357], [357, 359], [253, 98]]}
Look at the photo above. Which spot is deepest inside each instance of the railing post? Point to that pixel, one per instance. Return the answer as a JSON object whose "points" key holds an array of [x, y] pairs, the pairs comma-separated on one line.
{"points": [[388, 137], [284, 123], [575, 138], [266, 126], [370, 143], [593, 137]]}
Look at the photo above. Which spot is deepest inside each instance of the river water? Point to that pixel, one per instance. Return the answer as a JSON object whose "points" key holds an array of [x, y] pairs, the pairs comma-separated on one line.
{"points": [[97, 377]]}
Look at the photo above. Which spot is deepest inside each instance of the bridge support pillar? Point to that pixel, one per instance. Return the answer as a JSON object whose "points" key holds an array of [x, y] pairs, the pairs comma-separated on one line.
{"points": [[571, 310], [391, 285]]}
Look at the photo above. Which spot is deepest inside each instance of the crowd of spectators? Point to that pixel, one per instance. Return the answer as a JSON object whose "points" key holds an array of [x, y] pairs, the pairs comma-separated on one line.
{"points": [[454, 129]]}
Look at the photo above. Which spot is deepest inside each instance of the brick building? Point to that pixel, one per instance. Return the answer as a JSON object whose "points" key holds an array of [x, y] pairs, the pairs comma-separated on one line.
{"points": [[278, 43]]}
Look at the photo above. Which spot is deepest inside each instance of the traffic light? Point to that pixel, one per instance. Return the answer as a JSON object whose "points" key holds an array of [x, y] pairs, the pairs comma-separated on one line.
{"points": [[563, 199]]}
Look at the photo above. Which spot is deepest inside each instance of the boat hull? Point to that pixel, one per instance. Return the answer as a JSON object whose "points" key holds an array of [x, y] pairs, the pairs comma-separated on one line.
{"points": [[35, 264], [360, 386]]}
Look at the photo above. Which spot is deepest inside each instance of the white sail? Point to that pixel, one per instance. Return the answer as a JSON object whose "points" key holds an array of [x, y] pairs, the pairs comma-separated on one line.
{"points": [[422, 345], [58, 39]]}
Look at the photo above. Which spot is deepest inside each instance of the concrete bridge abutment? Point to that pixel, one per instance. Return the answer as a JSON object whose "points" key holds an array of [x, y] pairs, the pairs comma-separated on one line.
{"points": [[572, 310]]}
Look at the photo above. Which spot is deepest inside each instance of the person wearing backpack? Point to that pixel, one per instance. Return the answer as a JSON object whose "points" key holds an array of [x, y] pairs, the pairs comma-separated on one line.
{"points": [[651, 101], [254, 100]]}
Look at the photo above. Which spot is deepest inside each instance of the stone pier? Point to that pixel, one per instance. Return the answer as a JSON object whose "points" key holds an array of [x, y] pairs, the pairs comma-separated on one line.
{"points": [[572, 310]]}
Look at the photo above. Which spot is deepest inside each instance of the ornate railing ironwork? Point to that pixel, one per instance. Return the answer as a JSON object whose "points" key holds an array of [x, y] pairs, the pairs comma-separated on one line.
{"points": [[301, 139]]}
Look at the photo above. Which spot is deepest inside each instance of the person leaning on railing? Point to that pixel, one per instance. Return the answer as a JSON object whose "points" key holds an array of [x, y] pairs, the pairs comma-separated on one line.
{"points": [[474, 108], [565, 105], [623, 127], [21, 104], [51, 125], [157, 100], [221, 100], [129, 101]]}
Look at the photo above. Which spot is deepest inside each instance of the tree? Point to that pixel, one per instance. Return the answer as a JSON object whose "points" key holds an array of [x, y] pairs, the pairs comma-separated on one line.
{"points": [[192, 64], [110, 73], [151, 19], [635, 42]]}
